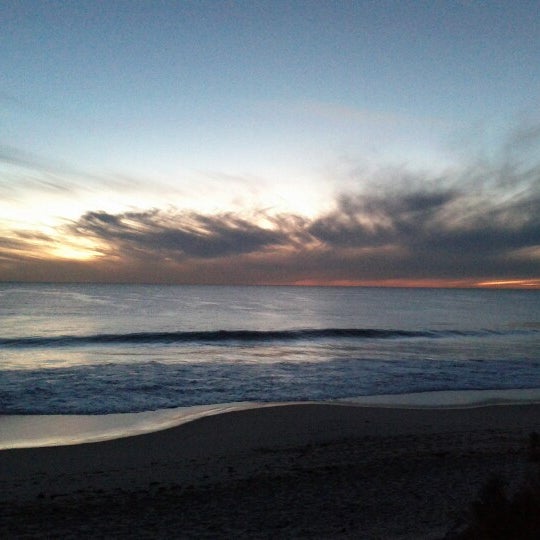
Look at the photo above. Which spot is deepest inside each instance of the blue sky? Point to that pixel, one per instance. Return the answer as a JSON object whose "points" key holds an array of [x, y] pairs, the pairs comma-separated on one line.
{"points": [[203, 113]]}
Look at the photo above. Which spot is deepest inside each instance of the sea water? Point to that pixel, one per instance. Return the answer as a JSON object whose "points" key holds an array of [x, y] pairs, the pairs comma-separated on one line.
{"points": [[102, 349]]}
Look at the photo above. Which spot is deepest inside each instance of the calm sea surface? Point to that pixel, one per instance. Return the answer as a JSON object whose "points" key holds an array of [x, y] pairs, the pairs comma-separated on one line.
{"points": [[95, 349]]}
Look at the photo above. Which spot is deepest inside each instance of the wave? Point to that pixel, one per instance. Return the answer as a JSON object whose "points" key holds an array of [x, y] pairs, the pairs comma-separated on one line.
{"points": [[239, 336]]}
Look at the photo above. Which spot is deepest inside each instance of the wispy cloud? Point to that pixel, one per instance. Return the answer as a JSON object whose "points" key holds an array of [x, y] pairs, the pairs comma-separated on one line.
{"points": [[336, 112], [25, 171], [180, 235], [29, 173]]}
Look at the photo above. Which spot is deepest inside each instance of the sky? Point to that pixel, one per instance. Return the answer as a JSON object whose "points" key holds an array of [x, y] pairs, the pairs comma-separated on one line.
{"points": [[392, 143]]}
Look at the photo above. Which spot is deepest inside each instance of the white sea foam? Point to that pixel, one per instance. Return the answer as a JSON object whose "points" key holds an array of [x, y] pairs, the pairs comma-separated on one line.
{"points": [[450, 399], [26, 431]]}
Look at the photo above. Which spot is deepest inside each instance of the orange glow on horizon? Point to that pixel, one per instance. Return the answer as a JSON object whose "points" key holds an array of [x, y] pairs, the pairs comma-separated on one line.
{"points": [[512, 283], [425, 283]]}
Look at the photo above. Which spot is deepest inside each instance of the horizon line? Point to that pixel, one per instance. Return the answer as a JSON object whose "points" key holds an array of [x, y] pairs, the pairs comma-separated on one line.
{"points": [[514, 284]]}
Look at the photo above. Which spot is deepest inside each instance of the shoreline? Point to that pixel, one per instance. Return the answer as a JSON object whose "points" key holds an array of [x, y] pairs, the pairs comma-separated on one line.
{"points": [[279, 471], [32, 431]]}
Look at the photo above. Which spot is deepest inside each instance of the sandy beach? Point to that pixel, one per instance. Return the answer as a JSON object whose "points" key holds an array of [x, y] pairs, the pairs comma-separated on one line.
{"points": [[289, 471]]}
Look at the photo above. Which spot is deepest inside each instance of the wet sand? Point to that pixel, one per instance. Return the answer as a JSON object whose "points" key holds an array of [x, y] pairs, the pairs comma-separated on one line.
{"points": [[289, 471]]}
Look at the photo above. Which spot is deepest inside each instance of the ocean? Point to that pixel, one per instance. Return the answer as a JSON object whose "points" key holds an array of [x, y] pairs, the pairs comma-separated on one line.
{"points": [[84, 349]]}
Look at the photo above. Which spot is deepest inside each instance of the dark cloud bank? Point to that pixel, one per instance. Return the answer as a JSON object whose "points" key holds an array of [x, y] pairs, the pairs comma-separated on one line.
{"points": [[480, 222], [440, 230]]}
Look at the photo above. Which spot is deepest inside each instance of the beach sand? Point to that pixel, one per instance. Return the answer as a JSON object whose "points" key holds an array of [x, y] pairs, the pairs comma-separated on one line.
{"points": [[285, 471]]}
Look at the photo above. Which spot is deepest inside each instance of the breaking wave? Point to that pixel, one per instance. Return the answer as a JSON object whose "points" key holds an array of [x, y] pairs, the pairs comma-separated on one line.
{"points": [[227, 336]]}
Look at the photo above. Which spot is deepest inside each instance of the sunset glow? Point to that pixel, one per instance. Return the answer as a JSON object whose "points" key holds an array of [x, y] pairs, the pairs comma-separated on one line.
{"points": [[74, 253], [512, 284]]}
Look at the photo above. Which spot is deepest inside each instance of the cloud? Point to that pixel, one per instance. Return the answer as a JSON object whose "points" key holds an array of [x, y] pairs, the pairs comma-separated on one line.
{"points": [[435, 234], [379, 220], [480, 222], [417, 233], [179, 235], [23, 171], [442, 221]]}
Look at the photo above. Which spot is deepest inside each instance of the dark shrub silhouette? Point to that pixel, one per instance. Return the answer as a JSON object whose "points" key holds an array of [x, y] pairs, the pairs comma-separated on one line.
{"points": [[497, 516]]}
